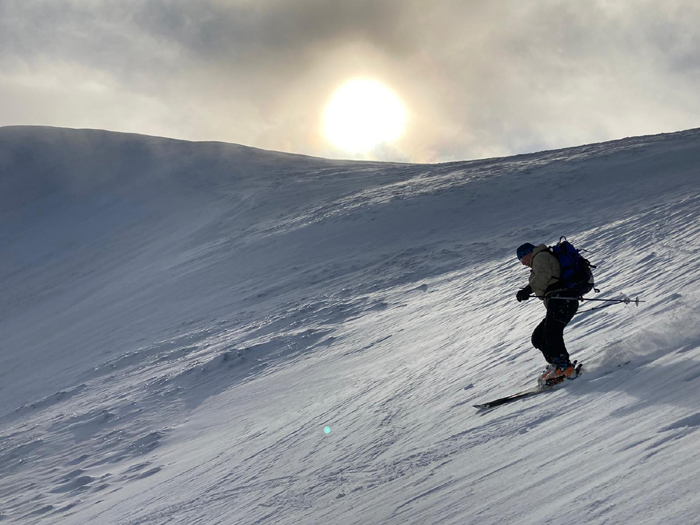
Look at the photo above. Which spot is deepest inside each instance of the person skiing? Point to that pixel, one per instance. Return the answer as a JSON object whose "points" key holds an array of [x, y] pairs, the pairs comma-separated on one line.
{"points": [[545, 283]]}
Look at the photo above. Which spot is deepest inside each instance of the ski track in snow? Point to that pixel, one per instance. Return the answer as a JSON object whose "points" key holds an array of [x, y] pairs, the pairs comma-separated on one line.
{"points": [[182, 321]]}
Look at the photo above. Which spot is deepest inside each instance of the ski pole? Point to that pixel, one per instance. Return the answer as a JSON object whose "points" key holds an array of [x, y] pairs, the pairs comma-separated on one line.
{"points": [[626, 300]]}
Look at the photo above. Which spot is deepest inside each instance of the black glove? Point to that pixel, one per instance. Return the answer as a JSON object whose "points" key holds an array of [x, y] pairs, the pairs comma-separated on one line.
{"points": [[524, 294]]}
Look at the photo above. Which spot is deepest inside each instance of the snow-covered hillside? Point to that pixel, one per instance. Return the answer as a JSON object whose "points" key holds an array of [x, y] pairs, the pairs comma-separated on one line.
{"points": [[209, 333]]}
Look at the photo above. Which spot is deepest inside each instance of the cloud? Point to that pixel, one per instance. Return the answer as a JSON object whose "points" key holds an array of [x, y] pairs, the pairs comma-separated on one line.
{"points": [[479, 78]]}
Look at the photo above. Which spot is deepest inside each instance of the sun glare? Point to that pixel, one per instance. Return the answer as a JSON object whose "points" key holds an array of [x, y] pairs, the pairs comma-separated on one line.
{"points": [[362, 114]]}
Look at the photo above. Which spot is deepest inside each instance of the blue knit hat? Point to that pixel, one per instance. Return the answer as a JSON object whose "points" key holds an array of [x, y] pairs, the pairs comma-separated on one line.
{"points": [[524, 249]]}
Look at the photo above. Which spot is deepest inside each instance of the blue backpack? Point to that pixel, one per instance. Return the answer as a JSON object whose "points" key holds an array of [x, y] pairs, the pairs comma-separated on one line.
{"points": [[576, 272]]}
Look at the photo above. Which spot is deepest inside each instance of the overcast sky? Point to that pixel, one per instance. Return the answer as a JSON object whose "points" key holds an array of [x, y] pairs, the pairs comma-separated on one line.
{"points": [[478, 78]]}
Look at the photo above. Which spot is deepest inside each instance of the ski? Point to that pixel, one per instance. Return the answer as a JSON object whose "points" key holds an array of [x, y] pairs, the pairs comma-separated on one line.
{"points": [[530, 392]]}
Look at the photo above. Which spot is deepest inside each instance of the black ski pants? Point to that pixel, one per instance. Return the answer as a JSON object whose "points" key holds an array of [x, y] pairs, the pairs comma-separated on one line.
{"points": [[548, 337]]}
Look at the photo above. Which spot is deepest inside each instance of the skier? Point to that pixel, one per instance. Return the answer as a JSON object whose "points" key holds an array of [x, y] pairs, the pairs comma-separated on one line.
{"points": [[548, 337]]}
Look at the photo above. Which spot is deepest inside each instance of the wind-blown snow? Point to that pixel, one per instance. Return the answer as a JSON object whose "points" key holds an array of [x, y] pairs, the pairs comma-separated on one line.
{"points": [[181, 321]]}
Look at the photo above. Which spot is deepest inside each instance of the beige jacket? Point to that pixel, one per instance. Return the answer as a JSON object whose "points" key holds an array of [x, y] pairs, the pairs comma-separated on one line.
{"points": [[545, 270]]}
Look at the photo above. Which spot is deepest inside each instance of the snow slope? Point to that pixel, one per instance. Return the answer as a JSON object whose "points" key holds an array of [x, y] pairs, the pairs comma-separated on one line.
{"points": [[181, 321]]}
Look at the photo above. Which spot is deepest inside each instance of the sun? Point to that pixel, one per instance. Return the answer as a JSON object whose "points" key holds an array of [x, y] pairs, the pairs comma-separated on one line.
{"points": [[363, 114]]}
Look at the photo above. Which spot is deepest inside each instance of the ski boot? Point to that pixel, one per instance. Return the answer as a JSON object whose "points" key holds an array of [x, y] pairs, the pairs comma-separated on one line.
{"points": [[556, 372]]}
